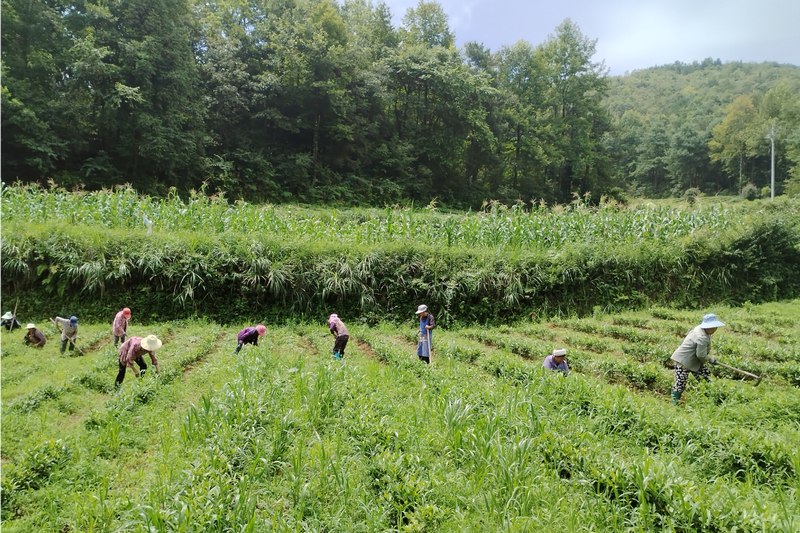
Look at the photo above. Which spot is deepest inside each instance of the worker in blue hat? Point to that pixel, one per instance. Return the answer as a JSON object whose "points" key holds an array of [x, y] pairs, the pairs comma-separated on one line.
{"points": [[69, 331], [693, 354]]}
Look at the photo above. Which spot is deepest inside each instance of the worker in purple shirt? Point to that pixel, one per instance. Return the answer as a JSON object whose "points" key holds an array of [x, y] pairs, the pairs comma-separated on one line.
{"points": [[250, 335], [132, 351], [340, 333], [557, 360]]}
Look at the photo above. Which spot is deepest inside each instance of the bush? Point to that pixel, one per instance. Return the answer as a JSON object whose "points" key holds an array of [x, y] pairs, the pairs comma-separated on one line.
{"points": [[750, 192], [691, 195]]}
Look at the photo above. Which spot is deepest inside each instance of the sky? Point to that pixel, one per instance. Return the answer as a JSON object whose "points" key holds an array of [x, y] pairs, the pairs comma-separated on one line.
{"points": [[634, 34]]}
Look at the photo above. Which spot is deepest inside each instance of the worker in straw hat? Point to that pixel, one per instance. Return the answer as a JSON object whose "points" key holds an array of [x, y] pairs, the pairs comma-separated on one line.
{"points": [[249, 335], [9, 321], [426, 324], [557, 360], [119, 328], [132, 351], [34, 337], [693, 354]]}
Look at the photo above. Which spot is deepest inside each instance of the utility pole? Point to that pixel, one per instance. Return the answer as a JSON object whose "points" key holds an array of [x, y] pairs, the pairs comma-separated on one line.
{"points": [[771, 138]]}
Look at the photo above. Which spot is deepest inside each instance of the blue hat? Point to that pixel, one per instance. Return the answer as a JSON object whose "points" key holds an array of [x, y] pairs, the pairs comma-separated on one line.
{"points": [[711, 321], [73, 319]]}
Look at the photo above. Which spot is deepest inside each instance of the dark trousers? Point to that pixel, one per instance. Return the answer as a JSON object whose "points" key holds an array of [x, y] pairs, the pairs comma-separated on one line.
{"points": [[64, 345], [340, 344], [119, 338], [123, 368]]}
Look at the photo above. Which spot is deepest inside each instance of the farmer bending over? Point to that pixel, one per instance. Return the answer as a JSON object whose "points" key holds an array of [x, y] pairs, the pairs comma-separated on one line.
{"points": [[119, 328], [340, 333], [693, 353], [69, 331], [250, 336], [132, 351], [426, 324], [557, 361], [34, 337]]}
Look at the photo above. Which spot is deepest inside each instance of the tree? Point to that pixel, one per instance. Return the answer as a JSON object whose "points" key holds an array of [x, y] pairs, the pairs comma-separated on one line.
{"points": [[574, 87], [736, 138]]}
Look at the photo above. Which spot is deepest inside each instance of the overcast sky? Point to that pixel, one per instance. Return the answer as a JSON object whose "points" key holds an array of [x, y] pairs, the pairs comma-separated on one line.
{"points": [[635, 34]]}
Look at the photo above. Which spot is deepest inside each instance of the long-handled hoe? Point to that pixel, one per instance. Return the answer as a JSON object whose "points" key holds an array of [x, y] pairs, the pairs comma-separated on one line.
{"points": [[742, 372]]}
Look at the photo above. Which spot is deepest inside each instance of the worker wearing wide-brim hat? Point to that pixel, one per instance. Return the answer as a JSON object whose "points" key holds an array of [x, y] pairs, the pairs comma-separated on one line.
{"points": [[557, 360], [693, 354], [132, 351], [34, 337], [9, 321], [426, 324]]}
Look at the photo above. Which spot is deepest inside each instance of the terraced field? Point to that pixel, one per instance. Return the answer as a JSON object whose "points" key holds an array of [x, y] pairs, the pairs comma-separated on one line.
{"points": [[283, 438]]}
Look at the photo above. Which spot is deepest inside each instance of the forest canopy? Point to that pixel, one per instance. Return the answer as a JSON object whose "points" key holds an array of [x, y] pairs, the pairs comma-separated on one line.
{"points": [[323, 101]]}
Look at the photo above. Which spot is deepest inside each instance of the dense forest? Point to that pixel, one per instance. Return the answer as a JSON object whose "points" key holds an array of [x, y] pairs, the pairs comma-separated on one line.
{"points": [[325, 101]]}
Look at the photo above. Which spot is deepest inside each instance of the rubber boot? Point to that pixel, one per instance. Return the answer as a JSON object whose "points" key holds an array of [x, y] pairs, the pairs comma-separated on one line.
{"points": [[676, 397]]}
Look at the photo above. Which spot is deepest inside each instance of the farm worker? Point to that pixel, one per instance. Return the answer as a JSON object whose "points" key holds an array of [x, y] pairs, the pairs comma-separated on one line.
{"points": [[132, 351], [557, 361], [426, 324], [340, 334], [693, 353], [34, 337], [69, 331], [9, 321], [120, 326], [250, 336]]}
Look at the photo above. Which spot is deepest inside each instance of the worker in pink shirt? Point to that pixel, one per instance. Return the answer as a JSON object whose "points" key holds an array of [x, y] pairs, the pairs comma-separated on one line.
{"points": [[120, 326], [132, 351]]}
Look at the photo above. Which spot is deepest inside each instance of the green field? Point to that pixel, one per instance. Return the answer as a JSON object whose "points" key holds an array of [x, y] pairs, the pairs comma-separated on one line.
{"points": [[283, 438]]}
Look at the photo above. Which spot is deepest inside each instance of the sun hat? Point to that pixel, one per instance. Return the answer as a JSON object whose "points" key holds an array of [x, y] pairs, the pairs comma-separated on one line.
{"points": [[30, 325], [151, 343], [126, 312], [559, 352], [421, 309], [8, 315], [711, 321], [261, 329]]}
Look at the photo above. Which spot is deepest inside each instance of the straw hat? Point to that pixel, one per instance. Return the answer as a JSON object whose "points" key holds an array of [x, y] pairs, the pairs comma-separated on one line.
{"points": [[421, 309], [559, 352], [8, 316], [30, 325], [151, 343]]}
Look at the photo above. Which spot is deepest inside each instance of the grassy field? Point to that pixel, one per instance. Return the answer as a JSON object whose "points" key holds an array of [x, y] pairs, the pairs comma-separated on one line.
{"points": [[283, 438]]}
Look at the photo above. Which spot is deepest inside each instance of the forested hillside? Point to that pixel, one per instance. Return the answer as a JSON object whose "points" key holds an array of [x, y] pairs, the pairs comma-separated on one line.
{"points": [[324, 101]]}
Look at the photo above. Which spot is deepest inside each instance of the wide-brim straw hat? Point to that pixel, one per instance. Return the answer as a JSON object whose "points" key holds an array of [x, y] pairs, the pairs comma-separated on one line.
{"points": [[711, 321], [421, 309], [8, 316], [30, 325], [151, 343]]}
